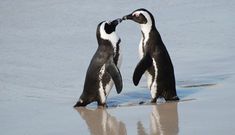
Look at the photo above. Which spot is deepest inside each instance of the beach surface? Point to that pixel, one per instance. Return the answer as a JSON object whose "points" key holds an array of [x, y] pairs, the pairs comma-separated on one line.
{"points": [[46, 47]]}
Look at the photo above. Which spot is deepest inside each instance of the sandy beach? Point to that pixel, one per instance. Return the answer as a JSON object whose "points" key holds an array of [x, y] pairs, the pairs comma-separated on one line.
{"points": [[46, 47]]}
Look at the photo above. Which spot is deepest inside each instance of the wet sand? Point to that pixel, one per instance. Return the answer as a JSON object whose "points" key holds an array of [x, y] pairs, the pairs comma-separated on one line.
{"points": [[46, 47], [209, 112], [163, 119]]}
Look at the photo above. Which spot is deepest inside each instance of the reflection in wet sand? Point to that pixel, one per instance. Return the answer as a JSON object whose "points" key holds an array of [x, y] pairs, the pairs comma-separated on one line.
{"points": [[163, 120], [100, 122]]}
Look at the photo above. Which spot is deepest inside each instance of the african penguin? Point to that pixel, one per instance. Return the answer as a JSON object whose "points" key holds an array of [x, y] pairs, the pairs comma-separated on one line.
{"points": [[103, 70], [155, 61]]}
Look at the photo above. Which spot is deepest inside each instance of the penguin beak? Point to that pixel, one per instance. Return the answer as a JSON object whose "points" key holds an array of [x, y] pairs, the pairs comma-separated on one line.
{"points": [[116, 22], [127, 17]]}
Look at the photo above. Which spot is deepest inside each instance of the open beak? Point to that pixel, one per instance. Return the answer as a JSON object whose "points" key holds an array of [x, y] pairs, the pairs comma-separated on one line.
{"points": [[127, 17]]}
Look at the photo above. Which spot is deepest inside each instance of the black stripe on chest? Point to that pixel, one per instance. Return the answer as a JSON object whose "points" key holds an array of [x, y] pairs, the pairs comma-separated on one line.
{"points": [[117, 52], [143, 41]]}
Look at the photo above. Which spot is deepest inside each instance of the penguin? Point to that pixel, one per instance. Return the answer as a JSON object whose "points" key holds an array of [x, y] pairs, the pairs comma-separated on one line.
{"points": [[155, 60], [103, 70]]}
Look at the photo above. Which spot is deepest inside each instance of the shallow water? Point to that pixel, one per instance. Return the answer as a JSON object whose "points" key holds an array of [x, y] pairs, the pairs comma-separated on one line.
{"points": [[46, 46]]}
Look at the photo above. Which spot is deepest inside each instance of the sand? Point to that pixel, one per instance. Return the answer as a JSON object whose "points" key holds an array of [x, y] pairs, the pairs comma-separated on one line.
{"points": [[46, 47]]}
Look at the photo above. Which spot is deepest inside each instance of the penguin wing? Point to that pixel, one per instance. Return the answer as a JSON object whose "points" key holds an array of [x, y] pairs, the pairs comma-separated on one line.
{"points": [[141, 67], [115, 74]]}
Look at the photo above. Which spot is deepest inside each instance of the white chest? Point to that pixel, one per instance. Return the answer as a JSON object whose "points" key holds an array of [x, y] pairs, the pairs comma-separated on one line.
{"points": [[142, 45]]}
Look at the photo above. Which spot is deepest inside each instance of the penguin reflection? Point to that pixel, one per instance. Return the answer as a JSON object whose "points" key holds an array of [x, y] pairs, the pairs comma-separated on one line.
{"points": [[163, 120], [100, 122]]}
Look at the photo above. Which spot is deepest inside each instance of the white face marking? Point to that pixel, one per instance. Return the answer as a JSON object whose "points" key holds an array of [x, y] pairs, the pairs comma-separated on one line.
{"points": [[112, 37], [101, 89], [136, 14], [145, 28]]}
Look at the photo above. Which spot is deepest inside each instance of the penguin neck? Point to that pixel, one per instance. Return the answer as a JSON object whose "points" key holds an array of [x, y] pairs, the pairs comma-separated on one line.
{"points": [[112, 38], [108, 40], [146, 29]]}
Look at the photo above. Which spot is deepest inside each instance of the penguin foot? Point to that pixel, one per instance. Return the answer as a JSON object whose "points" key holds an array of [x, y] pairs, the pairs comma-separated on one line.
{"points": [[102, 106], [141, 102], [175, 98]]}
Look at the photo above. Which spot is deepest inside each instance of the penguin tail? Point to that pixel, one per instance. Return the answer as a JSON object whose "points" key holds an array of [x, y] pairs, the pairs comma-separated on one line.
{"points": [[80, 103], [76, 105]]}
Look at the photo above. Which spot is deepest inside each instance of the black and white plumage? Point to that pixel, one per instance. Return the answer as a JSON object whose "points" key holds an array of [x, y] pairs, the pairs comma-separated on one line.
{"points": [[155, 61], [103, 70]]}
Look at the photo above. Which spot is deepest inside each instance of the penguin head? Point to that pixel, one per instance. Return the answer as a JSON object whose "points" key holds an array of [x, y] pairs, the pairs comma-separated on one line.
{"points": [[141, 16], [106, 30]]}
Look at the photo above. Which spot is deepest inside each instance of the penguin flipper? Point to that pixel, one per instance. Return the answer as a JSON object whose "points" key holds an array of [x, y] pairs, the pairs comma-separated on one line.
{"points": [[141, 67], [115, 75]]}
